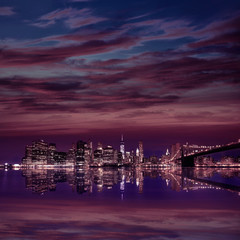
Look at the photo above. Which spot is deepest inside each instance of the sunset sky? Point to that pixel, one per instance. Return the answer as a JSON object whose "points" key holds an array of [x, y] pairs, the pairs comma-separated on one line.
{"points": [[149, 69]]}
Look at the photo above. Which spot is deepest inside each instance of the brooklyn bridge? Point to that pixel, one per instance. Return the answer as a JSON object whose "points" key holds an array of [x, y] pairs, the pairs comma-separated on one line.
{"points": [[188, 160]]}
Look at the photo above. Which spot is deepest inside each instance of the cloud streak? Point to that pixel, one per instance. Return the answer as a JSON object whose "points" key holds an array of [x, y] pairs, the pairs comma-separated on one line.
{"points": [[71, 17], [6, 11]]}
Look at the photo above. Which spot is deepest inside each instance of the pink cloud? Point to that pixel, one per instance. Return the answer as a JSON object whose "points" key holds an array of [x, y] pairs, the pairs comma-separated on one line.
{"points": [[161, 28], [72, 18], [78, 22], [33, 56], [6, 11], [43, 24]]}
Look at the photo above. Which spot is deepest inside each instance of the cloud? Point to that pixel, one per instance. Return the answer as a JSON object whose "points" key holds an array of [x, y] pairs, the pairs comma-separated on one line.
{"points": [[203, 73], [226, 40], [219, 35], [6, 11], [47, 55], [77, 22], [141, 81], [71, 17], [157, 29], [43, 24]]}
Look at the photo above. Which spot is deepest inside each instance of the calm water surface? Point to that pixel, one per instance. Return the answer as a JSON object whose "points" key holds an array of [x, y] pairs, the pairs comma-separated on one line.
{"points": [[104, 203]]}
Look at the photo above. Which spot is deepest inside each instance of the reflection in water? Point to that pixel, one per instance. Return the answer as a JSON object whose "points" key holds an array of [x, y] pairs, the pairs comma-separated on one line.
{"points": [[173, 204], [83, 180]]}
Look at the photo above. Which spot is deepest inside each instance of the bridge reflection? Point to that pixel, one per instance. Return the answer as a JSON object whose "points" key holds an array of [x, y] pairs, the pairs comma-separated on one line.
{"points": [[86, 180]]}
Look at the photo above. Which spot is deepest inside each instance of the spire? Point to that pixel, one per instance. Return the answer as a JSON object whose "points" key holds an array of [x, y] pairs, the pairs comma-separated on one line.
{"points": [[167, 153], [122, 150]]}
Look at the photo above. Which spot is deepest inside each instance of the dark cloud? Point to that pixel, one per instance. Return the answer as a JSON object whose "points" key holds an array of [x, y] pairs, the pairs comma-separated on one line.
{"points": [[23, 57], [54, 86], [141, 83]]}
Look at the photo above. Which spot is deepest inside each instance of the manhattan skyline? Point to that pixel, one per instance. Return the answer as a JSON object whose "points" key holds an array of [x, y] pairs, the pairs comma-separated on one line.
{"points": [[160, 72]]}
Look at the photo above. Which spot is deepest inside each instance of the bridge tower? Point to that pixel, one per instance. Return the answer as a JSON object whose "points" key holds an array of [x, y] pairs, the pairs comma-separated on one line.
{"points": [[187, 161]]}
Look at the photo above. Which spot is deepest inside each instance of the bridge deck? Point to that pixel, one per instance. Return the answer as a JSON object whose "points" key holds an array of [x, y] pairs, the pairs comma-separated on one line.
{"points": [[213, 150]]}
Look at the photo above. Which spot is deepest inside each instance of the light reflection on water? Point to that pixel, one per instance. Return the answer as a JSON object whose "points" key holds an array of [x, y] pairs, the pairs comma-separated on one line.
{"points": [[83, 180], [111, 203]]}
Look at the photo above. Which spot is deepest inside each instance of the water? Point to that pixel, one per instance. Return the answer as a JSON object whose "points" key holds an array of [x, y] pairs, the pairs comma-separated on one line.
{"points": [[111, 203]]}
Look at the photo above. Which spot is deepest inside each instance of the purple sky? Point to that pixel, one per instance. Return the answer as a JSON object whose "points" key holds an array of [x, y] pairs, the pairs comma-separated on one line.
{"points": [[157, 71]]}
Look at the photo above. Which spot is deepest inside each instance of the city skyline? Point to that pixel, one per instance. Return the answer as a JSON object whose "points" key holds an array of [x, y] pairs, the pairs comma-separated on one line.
{"points": [[16, 150], [86, 154]]}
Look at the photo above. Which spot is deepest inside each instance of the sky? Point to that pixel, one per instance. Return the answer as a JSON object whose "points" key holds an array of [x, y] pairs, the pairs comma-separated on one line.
{"points": [[157, 71]]}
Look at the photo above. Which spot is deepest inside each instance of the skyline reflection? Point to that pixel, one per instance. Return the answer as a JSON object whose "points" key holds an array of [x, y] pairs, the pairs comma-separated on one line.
{"points": [[84, 180], [120, 203]]}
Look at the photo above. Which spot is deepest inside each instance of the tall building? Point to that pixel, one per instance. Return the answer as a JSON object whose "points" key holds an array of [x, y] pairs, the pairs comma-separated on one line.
{"points": [[136, 159], [167, 152], [51, 153], [98, 155], [40, 153], [71, 156], [109, 156], [60, 158], [80, 152], [36, 154], [88, 152], [122, 150], [141, 155]]}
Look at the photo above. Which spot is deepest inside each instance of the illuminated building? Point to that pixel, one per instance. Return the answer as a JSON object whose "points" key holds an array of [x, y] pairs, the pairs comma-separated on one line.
{"points": [[136, 160], [88, 152], [137, 152], [36, 154], [71, 156], [120, 158], [27, 159], [40, 153], [165, 158], [98, 155], [80, 152], [141, 155], [109, 156], [167, 152], [60, 158], [127, 158], [51, 152], [154, 160], [122, 150]]}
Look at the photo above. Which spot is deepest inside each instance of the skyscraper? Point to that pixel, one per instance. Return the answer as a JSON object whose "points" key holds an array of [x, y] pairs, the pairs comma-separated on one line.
{"points": [[122, 150], [80, 152], [141, 155]]}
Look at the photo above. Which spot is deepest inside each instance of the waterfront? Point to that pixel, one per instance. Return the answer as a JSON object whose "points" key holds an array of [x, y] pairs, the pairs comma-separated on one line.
{"points": [[119, 203]]}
